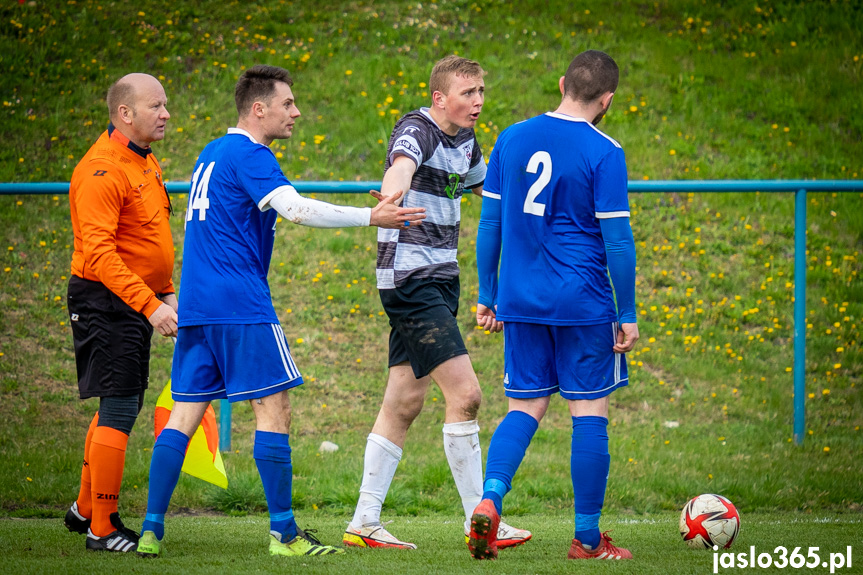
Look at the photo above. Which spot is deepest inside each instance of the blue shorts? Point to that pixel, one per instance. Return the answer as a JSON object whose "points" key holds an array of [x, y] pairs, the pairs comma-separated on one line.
{"points": [[233, 362], [577, 361]]}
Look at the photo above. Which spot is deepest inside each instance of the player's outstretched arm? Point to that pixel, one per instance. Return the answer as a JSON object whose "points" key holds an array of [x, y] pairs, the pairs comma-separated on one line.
{"points": [[396, 183], [398, 178], [317, 214], [387, 214]]}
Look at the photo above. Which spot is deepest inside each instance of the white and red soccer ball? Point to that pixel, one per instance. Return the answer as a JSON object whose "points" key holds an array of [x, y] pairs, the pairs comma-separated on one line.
{"points": [[709, 520]]}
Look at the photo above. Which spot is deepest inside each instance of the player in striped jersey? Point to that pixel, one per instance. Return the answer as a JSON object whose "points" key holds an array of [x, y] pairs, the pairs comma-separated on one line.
{"points": [[230, 344], [556, 217], [433, 157]]}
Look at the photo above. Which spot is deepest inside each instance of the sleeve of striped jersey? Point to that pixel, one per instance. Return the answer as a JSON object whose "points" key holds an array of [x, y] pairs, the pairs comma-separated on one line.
{"points": [[488, 243], [476, 174], [408, 141], [620, 253], [610, 186]]}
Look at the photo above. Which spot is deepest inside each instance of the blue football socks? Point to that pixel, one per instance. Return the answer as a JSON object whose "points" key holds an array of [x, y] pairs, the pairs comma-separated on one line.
{"points": [[168, 455], [505, 454], [589, 468], [273, 457]]}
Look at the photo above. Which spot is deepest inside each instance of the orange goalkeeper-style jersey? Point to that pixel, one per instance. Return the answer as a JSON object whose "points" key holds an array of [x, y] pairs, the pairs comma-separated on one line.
{"points": [[120, 211]]}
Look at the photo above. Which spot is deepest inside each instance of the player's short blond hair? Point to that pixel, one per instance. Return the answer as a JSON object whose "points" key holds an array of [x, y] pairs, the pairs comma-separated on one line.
{"points": [[448, 68]]}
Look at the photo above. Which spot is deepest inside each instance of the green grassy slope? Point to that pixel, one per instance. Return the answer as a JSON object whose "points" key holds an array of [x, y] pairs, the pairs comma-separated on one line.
{"points": [[707, 91]]}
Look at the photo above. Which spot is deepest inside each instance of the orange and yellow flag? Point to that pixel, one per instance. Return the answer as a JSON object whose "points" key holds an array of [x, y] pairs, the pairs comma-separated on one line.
{"points": [[203, 459]]}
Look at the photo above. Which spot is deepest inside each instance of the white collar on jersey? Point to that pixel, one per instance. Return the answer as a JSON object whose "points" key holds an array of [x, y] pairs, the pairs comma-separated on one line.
{"points": [[425, 111], [566, 118], [242, 132], [560, 116]]}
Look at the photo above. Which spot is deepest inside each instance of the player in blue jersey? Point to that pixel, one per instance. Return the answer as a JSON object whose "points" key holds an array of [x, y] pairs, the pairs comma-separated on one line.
{"points": [[434, 158], [555, 215], [230, 344]]}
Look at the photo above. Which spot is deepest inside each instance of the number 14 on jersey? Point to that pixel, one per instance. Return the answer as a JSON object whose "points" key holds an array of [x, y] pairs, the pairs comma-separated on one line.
{"points": [[198, 199]]}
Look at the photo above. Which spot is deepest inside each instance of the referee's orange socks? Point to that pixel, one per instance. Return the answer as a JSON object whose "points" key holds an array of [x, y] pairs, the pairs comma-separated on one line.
{"points": [[85, 506], [107, 457]]}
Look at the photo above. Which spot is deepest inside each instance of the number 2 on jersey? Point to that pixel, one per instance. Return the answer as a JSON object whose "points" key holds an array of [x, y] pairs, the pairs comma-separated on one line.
{"points": [[198, 199], [531, 206]]}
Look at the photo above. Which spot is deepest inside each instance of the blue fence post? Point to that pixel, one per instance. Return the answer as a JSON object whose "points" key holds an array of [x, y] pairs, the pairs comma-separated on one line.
{"points": [[799, 316], [224, 425]]}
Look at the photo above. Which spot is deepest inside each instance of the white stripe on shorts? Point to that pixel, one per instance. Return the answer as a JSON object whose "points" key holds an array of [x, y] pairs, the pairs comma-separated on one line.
{"points": [[593, 391], [552, 388], [615, 326], [618, 357], [246, 394], [287, 360]]}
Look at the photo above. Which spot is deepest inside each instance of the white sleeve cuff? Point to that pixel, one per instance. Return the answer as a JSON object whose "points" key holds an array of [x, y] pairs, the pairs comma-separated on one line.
{"points": [[264, 204], [609, 215]]}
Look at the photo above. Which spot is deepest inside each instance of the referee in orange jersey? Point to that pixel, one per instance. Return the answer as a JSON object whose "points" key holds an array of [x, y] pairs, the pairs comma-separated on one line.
{"points": [[120, 290]]}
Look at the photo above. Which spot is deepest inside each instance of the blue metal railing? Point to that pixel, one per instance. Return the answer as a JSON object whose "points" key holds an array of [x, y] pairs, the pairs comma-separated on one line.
{"points": [[799, 187], [46, 188], [43, 188]]}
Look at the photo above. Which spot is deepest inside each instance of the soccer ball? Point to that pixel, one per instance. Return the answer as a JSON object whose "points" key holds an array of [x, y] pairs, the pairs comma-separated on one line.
{"points": [[709, 520]]}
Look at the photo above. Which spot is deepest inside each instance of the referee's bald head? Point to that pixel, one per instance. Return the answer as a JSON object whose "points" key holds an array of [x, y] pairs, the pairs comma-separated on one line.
{"points": [[125, 92]]}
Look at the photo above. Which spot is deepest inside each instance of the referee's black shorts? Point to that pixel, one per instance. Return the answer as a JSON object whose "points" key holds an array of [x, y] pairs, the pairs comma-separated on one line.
{"points": [[112, 341], [424, 331]]}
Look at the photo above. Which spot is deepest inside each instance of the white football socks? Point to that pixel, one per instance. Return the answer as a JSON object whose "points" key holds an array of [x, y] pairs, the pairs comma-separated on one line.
{"points": [[381, 460], [463, 453], [461, 445]]}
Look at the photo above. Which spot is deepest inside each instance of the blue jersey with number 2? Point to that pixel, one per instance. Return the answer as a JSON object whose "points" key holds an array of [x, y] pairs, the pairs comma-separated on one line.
{"points": [[555, 177], [229, 240]]}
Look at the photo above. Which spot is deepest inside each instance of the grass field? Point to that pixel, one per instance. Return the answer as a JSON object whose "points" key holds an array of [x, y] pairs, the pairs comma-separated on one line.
{"points": [[215, 544], [733, 90]]}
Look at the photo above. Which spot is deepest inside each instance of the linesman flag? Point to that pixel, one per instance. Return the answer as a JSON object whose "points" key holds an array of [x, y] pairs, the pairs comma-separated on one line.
{"points": [[203, 459]]}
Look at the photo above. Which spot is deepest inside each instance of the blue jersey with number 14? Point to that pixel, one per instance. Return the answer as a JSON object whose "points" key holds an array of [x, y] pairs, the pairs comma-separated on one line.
{"points": [[229, 240], [555, 177]]}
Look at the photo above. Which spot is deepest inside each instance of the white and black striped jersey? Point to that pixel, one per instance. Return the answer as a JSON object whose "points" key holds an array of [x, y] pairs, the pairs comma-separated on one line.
{"points": [[446, 165]]}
